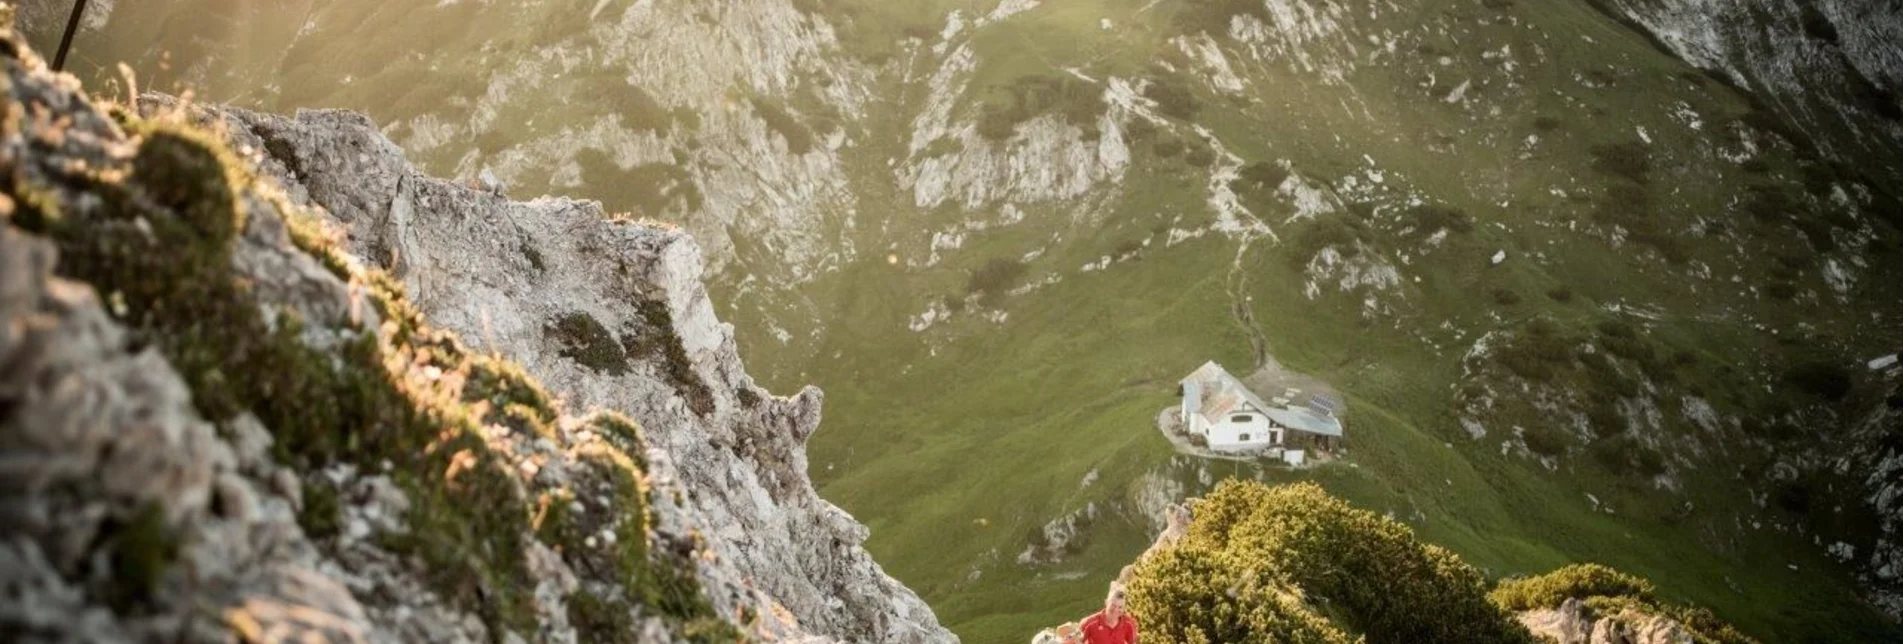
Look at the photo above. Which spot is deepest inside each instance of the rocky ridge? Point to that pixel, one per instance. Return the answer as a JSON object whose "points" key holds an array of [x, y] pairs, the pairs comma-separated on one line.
{"points": [[156, 492], [1830, 66], [1574, 623], [570, 293]]}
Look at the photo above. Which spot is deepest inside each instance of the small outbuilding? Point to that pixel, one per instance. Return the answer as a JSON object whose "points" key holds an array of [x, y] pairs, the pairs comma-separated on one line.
{"points": [[1231, 418]]}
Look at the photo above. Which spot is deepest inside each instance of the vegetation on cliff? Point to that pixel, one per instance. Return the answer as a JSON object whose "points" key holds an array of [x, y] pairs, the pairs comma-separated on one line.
{"points": [[1611, 593], [155, 218], [1291, 563]]}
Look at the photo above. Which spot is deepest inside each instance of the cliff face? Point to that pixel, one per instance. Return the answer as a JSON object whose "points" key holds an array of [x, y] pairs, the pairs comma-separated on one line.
{"points": [[1830, 66], [222, 420], [1873, 454], [573, 296]]}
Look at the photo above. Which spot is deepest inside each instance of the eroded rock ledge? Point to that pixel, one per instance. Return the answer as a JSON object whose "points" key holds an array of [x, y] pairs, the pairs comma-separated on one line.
{"points": [[222, 417], [611, 313]]}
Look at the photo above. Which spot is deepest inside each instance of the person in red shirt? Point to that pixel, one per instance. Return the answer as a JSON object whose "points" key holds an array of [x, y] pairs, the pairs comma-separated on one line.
{"points": [[1111, 625]]}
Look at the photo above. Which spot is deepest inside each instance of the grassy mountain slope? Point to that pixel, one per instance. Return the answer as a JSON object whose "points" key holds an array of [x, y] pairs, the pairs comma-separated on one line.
{"points": [[1652, 371]]}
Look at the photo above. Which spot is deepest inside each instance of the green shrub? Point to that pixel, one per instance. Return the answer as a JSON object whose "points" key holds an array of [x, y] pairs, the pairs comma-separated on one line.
{"points": [[655, 337], [583, 339], [1629, 206], [1538, 352], [1770, 204], [1826, 380], [1816, 25], [1325, 232], [1260, 178], [1078, 101], [1255, 555], [1140, 130], [1872, 97], [1430, 218], [1629, 161], [1610, 594], [799, 139], [1168, 147], [1764, 121], [1816, 232], [1200, 156], [1818, 177], [941, 146], [1624, 455], [1621, 339], [1505, 297], [1577, 581], [1603, 417], [1201, 595], [1214, 16], [1174, 98], [1544, 440], [995, 277], [648, 190], [637, 108], [1561, 294]]}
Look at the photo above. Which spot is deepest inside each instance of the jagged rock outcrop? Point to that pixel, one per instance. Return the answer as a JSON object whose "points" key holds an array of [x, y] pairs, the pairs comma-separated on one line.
{"points": [[1831, 66], [217, 424], [570, 293], [128, 514], [1875, 456], [104, 454], [55, 14], [1575, 623]]}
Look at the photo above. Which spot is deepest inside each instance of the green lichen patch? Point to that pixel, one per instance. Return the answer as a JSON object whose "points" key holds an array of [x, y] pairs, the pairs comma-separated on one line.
{"points": [[656, 339], [748, 398], [182, 171], [321, 515], [140, 551], [611, 542], [466, 526], [584, 340], [601, 620], [1077, 101], [514, 398], [621, 432], [799, 139]]}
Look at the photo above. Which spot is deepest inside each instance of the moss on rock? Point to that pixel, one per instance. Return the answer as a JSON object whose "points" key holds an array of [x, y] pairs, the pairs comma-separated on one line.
{"points": [[140, 550], [584, 340], [156, 233], [657, 339]]}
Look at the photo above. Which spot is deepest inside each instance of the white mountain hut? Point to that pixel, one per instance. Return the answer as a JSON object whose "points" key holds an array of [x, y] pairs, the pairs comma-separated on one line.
{"points": [[1230, 418]]}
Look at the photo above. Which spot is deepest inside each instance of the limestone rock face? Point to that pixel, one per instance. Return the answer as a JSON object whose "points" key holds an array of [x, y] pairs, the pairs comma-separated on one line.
{"points": [[1831, 66], [1575, 623], [613, 314], [130, 516], [106, 461]]}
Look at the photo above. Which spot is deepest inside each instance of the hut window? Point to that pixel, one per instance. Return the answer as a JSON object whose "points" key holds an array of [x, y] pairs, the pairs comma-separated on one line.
{"points": [[1241, 418]]}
